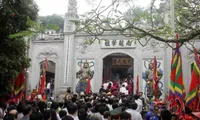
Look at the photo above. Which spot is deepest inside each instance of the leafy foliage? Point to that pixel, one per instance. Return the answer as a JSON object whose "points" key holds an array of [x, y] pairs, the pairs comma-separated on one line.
{"points": [[13, 52], [146, 24], [55, 22]]}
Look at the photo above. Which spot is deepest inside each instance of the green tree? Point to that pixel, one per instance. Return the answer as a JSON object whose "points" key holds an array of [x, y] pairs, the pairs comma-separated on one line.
{"points": [[13, 52], [145, 24], [54, 21]]}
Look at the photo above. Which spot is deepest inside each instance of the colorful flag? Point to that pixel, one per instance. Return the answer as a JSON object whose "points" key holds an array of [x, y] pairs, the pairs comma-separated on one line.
{"points": [[179, 84], [171, 93], [137, 85], [12, 94], [43, 78], [88, 86], [192, 99], [155, 74], [19, 86]]}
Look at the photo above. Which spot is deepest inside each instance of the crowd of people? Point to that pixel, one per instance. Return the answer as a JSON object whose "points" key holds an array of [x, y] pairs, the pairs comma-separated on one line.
{"points": [[114, 87], [94, 106]]}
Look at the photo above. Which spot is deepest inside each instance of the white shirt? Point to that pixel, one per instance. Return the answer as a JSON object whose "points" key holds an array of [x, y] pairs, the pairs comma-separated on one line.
{"points": [[125, 84], [48, 85], [75, 117], [135, 115], [105, 85], [123, 90], [110, 107], [139, 107]]}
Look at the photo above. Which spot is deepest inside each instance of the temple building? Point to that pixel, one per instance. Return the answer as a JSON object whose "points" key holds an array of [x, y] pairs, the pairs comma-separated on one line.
{"points": [[71, 62]]}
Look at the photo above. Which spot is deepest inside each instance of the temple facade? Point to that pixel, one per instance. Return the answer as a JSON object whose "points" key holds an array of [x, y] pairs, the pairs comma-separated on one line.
{"points": [[72, 62]]}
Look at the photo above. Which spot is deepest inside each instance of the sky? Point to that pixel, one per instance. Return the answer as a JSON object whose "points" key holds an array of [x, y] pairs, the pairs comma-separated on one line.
{"points": [[49, 7]]}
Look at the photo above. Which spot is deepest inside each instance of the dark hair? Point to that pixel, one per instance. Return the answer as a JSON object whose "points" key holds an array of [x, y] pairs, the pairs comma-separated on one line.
{"points": [[46, 114], [36, 116], [165, 115], [20, 107], [72, 108], [136, 97], [11, 107], [132, 105], [74, 99], [106, 114], [62, 113], [41, 105], [115, 105], [82, 114], [101, 110], [53, 115], [26, 109], [61, 104], [54, 105], [110, 101], [67, 118], [125, 116], [9, 117], [89, 105], [66, 103]]}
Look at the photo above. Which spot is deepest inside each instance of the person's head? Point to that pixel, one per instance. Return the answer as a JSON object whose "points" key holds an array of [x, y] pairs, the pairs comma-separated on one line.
{"points": [[62, 113], [132, 105], [27, 110], [165, 115], [125, 116], [72, 109], [136, 97], [96, 116], [67, 118], [82, 114], [61, 104], [41, 105], [53, 115], [155, 110], [140, 94], [107, 115], [9, 117], [11, 107], [54, 106], [47, 114], [36, 116], [20, 107], [115, 105], [102, 109]]}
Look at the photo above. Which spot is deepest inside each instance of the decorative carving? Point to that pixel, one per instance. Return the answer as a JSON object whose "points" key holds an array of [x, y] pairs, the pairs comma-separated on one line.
{"points": [[86, 72], [69, 26], [48, 52], [67, 62], [83, 48], [147, 75], [72, 10]]}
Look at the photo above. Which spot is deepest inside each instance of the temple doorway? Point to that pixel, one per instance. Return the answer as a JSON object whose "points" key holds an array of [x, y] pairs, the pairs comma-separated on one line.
{"points": [[50, 77], [117, 66]]}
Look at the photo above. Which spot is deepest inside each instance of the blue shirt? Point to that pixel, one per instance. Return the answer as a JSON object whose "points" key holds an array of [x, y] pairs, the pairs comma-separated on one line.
{"points": [[149, 115], [154, 118]]}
